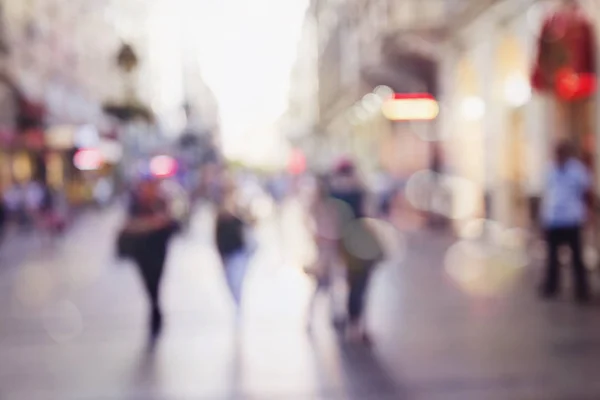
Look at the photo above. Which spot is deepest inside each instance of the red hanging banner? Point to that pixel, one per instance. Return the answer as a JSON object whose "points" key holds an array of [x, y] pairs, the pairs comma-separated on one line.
{"points": [[566, 61]]}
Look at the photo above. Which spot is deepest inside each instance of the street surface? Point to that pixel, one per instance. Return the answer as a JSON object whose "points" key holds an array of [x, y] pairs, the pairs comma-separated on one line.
{"points": [[450, 321]]}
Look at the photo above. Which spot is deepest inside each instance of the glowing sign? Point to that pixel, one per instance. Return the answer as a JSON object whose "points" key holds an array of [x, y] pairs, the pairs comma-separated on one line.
{"points": [[410, 107], [163, 166], [88, 160]]}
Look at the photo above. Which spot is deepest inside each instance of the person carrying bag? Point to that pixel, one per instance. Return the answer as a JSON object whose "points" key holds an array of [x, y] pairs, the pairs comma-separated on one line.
{"points": [[144, 239]]}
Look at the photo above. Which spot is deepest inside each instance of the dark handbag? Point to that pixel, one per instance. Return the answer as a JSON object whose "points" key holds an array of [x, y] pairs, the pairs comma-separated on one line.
{"points": [[169, 231], [175, 227], [360, 247], [127, 245]]}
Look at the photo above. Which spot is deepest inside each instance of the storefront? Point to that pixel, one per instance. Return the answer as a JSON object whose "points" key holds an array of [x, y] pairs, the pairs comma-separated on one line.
{"points": [[78, 158], [500, 126], [60, 143], [565, 72]]}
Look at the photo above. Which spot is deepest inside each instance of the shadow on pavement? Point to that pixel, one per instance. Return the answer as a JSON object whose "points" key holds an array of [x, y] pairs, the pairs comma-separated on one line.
{"points": [[353, 372]]}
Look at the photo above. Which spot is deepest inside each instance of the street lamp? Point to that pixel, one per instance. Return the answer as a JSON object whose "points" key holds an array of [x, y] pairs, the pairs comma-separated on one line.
{"points": [[517, 91], [472, 108]]}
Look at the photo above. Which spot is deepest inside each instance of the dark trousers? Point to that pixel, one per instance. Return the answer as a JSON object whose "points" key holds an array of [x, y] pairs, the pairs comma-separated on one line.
{"points": [[555, 238], [151, 263], [358, 282]]}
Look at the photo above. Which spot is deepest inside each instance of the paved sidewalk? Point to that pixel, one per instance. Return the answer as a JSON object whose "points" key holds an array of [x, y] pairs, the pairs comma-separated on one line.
{"points": [[451, 320]]}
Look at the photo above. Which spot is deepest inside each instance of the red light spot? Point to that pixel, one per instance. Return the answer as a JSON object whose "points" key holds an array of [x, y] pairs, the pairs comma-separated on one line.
{"points": [[163, 166], [573, 86], [406, 96], [88, 160], [297, 163]]}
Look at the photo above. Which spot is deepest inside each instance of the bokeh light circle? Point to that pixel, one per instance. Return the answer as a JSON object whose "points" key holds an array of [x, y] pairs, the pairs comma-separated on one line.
{"points": [[63, 321], [360, 241], [481, 269], [391, 239]]}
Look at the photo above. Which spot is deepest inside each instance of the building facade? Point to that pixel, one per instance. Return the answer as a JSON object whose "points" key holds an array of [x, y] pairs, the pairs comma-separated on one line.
{"points": [[299, 123], [500, 133], [360, 62], [476, 59]]}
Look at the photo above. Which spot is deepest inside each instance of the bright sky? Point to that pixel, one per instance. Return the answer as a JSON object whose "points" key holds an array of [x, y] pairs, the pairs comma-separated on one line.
{"points": [[246, 49]]}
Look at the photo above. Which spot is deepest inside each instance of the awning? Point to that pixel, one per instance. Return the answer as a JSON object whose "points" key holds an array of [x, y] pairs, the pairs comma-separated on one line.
{"points": [[409, 55], [129, 112], [401, 81]]}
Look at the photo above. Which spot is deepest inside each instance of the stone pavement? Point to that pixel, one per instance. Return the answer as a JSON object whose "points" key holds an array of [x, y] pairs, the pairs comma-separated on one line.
{"points": [[452, 320]]}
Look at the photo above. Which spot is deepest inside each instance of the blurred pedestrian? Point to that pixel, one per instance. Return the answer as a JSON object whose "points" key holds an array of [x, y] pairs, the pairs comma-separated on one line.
{"points": [[568, 182], [3, 219], [278, 188], [385, 192], [50, 219], [13, 200], [33, 201], [232, 240], [325, 228], [148, 230], [359, 247], [436, 220]]}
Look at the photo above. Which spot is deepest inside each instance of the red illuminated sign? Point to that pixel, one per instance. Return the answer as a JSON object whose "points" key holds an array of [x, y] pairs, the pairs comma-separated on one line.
{"points": [[406, 96], [411, 107]]}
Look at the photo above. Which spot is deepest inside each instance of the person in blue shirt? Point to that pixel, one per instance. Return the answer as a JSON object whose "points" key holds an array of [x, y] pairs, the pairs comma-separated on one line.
{"points": [[564, 212]]}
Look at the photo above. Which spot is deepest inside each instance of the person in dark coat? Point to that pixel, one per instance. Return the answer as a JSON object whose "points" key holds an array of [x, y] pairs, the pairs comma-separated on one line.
{"points": [[151, 226], [231, 239], [359, 247]]}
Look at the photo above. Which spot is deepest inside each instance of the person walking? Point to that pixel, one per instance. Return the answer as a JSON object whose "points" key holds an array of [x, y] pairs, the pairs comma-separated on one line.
{"points": [[3, 219], [359, 247], [50, 219], [232, 244], [33, 200], [568, 182], [149, 228], [323, 222]]}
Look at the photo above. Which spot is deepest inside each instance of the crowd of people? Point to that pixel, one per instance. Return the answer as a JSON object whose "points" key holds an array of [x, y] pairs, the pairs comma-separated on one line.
{"points": [[338, 214], [31, 206], [335, 215]]}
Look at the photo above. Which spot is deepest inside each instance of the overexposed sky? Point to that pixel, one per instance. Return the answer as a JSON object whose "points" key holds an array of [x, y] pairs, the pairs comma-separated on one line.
{"points": [[246, 49]]}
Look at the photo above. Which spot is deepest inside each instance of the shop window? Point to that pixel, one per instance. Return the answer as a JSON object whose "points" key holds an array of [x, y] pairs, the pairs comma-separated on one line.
{"points": [[5, 170], [22, 167], [55, 170]]}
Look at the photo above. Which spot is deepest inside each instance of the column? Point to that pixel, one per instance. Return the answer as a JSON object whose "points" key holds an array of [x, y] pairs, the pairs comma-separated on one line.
{"points": [[448, 101], [485, 57]]}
